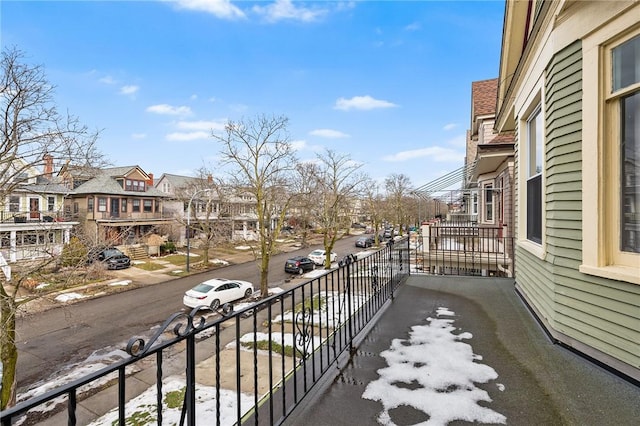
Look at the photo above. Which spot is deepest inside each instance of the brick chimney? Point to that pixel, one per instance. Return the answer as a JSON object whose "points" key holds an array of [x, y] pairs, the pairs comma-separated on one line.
{"points": [[150, 181], [48, 166], [209, 179]]}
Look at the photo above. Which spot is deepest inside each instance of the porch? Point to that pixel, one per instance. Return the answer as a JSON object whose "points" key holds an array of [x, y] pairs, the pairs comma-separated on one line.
{"points": [[537, 381], [308, 356]]}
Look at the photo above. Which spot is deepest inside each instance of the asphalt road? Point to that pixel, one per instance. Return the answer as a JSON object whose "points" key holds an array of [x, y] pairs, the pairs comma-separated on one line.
{"points": [[50, 341]]}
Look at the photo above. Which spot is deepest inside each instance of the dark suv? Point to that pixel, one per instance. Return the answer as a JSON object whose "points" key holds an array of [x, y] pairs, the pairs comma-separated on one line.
{"points": [[299, 265], [111, 257]]}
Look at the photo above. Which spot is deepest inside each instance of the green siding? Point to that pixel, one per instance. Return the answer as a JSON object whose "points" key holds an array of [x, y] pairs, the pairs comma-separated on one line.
{"points": [[598, 312]]}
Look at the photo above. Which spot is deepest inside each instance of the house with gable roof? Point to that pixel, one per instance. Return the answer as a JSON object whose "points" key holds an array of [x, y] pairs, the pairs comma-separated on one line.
{"points": [[32, 225], [208, 200], [117, 205]]}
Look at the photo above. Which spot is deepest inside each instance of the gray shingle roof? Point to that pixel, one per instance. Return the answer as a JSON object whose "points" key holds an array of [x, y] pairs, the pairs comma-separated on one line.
{"points": [[105, 183]]}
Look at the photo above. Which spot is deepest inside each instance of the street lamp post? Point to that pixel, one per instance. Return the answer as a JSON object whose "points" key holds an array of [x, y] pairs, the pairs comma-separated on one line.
{"points": [[189, 223]]}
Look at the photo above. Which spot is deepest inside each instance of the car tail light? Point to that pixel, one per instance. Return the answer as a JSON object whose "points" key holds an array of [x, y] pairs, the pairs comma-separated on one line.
{"points": [[298, 263], [201, 297]]}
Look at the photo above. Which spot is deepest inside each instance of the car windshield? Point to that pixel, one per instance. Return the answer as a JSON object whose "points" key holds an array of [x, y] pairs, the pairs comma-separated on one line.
{"points": [[202, 288], [112, 253]]}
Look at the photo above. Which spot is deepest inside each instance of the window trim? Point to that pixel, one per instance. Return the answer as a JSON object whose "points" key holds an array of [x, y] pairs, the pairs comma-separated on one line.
{"points": [[598, 108], [531, 176], [533, 102]]}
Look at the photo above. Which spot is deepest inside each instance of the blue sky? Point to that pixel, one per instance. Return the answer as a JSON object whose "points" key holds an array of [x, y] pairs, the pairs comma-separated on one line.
{"points": [[387, 82]]}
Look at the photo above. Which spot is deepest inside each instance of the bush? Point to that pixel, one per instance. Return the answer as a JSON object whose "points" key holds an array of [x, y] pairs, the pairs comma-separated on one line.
{"points": [[74, 253], [167, 248]]}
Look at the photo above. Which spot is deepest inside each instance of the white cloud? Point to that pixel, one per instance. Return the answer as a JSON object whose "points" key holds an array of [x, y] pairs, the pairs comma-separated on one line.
{"points": [[362, 103], [449, 126], [412, 27], [219, 8], [193, 97], [107, 79], [285, 9], [129, 90], [201, 125], [165, 109], [139, 135], [299, 145], [187, 136], [434, 153], [328, 133]]}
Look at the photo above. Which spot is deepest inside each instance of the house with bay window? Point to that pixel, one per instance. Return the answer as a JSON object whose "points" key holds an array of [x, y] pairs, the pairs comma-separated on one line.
{"points": [[569, 89], [118, 205]]}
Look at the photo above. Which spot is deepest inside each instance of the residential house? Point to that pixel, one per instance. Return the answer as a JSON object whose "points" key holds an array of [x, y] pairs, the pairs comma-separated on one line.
{"points": [[204, 199], [31, 222], [569, 89], [118, 205], [489, 162]]}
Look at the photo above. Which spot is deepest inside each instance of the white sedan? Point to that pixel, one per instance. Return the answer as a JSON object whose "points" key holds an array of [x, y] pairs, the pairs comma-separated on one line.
{"points": [[319, 256], [216, 292]]}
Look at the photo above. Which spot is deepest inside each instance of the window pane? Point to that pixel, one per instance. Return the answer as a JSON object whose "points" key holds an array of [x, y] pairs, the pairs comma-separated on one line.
{"points": [[630, 167], [626, 64], [535, 142], [534, 209]]}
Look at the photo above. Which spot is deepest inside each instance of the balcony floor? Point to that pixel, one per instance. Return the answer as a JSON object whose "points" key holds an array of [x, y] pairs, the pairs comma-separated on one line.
{"points": [[537, 383]]}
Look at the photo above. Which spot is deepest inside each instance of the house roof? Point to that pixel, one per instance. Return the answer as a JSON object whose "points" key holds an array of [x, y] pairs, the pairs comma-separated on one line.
{"points": [[483, 97], [179, 181], [503, 138], [105, 183]]}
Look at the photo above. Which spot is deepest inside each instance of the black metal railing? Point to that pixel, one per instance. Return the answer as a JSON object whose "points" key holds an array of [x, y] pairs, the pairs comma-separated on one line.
{"points": [[32, 216], [464, 250], [250, 365]]}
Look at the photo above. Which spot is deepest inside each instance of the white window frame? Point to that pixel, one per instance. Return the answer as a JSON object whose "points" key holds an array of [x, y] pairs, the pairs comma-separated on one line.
{"points": [[530, 106], [601, 226]]}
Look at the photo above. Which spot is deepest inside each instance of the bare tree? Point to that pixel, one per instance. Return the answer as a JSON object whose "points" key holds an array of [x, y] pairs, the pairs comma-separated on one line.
{"points": [[374, 205], [304, 204], [398, 186], [33, 132], [262, 160], [339, 180]]}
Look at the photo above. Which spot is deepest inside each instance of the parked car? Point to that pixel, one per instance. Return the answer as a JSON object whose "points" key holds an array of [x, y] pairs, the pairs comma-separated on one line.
{"points": [[388, 233], [216, 292], [318, 256], [358, 226], [299, 265], [364, 242], [110, 256]]}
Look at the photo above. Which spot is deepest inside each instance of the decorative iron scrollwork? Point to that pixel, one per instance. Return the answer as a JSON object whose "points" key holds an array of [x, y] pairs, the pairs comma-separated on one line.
{"points": [[303, 326], [183, 325]]}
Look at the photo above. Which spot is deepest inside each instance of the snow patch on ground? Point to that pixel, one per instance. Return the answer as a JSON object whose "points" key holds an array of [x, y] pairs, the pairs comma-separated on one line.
{"points": [[146, 405], [123, 282], [67, 297], [219, 262], [435, 372]]}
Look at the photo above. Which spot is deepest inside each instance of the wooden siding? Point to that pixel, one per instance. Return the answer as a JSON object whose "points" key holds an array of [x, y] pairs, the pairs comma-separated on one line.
{"points": [[598, 313]]}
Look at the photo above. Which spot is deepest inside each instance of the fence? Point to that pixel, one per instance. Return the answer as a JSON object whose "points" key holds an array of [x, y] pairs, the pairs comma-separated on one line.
{"points": [[251, 365], [464, 250]]}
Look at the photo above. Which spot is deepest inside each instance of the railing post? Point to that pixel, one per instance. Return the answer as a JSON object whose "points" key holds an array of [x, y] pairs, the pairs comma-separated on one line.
{"points": [[349, 313], [190, 392]]}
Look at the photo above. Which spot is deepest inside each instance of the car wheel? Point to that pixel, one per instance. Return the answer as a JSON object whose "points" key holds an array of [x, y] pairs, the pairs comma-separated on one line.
{"points": [[215, 304], [313, 266], [300, 271], [248, 293]]}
